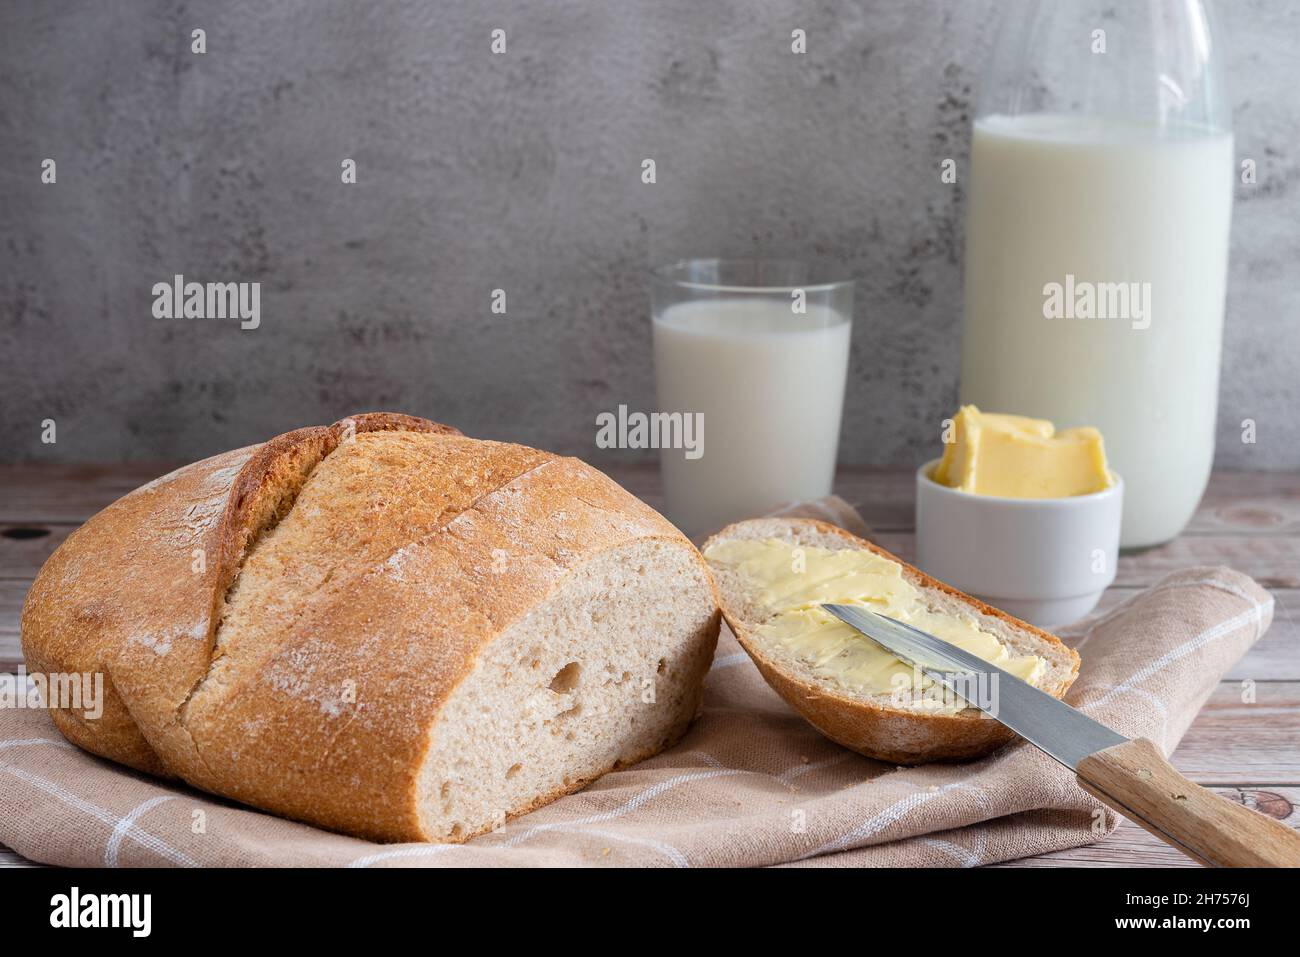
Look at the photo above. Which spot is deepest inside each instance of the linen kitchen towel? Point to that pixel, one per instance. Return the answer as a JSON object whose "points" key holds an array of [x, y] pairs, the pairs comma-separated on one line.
{"points": [[750, 784]]}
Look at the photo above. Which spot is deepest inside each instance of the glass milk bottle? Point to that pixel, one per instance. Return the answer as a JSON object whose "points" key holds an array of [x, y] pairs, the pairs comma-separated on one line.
{"points": [[1101, 187]]}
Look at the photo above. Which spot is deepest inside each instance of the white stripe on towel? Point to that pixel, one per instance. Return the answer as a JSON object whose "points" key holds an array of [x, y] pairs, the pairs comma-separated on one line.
{"points": [[1255, 613], [123, 826], [141, 837]]}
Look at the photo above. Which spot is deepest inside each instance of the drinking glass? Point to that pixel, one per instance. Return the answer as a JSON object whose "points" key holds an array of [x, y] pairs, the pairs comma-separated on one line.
{"points": [[755, 352]]}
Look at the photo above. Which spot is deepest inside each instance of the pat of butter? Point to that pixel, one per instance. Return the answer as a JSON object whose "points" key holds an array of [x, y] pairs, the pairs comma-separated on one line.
{"points": [[794, 581], [1017, 457]]}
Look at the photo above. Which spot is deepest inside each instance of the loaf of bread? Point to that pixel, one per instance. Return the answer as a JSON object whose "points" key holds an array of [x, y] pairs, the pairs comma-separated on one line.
{"points": [[380, 627], [884, 725]]}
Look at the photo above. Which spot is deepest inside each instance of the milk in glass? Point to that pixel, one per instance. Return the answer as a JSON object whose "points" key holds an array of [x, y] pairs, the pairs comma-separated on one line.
{"points": [[769, 382]]}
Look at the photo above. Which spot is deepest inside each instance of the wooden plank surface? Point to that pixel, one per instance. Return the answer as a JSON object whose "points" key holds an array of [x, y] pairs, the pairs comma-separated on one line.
{"points": [[1240, 743], [39, 493], [10, 858], [24, 547], [1250, 521]]}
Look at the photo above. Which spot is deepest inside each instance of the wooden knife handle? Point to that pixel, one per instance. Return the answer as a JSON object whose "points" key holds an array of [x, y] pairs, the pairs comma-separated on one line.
{"points": [[1135, 779]]}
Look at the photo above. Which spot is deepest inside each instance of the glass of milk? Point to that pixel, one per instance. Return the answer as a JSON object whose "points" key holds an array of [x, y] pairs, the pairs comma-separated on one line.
{"points": [[757, 351], [1100, 188]]}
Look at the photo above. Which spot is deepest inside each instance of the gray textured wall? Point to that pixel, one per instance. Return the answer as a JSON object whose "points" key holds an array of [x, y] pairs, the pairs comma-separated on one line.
{"points": [[520, 171]]}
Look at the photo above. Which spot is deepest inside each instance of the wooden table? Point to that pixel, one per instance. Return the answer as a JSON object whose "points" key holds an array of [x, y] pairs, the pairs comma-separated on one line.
{"points": [[1251, 521]]}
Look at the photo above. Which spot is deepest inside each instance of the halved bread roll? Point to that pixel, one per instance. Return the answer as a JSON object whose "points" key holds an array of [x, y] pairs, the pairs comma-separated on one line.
{"points": [[873, 723], [382, 627]]}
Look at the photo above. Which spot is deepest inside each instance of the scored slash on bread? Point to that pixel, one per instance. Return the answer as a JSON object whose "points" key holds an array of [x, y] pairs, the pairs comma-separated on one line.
{"points": [[871, 724]]}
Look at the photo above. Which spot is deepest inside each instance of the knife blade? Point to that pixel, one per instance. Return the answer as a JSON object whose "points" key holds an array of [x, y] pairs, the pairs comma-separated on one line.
{"points": [[1131, 775], [1045, 722]]}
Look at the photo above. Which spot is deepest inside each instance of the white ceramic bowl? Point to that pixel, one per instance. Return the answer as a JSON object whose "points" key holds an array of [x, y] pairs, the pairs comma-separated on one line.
{"points": [[1045, 560]]}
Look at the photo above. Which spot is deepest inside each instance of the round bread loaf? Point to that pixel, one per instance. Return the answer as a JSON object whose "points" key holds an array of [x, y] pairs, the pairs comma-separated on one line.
{"points": [[382, 627]]}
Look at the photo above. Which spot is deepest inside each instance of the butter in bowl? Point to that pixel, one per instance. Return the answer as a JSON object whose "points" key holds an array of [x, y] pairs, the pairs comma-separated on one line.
{"points": [[1020, 515]]}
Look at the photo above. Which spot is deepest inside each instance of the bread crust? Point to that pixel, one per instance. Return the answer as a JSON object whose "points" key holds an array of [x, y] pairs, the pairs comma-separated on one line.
{"points": [[867, 727], [405, 642], [183, 538]]}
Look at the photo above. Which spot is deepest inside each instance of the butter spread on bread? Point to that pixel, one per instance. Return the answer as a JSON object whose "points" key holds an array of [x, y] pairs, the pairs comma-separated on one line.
{"points": [[765, 599], [795, 580]]}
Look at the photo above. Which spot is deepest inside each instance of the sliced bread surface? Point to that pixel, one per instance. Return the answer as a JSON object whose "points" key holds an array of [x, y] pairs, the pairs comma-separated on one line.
{"points": [[873, 724]]}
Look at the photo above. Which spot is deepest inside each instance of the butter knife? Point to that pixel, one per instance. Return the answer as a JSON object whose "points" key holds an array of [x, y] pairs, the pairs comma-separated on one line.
{"points": [[1129, 775]]}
